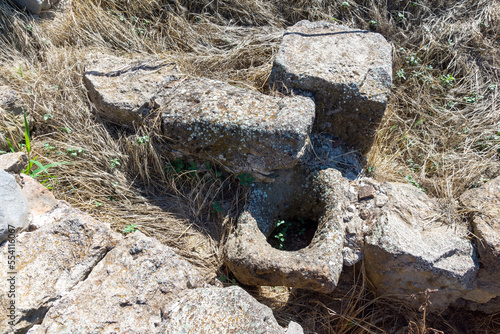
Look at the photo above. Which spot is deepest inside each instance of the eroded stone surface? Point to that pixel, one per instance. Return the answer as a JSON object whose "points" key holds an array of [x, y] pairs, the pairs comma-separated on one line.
{"points": [[315, 195], [242, 129], [121, 88], [125, 291], [14, 208], [483, 204], [216, 310], [50, 262], [409, 250], [349, 71], [13, 162], [11, 119], [36, 6]]}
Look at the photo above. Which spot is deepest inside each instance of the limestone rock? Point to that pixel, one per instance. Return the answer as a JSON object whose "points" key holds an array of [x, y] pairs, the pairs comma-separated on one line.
{"points": [[125, 291], [216, 310], [13, 162], [121, 88], [349, 71], [483, 203], [40, 199], [11, 118], [14, 207], [242, 129], [316, 195], [35, 6], [50, 262], [408, 249]]}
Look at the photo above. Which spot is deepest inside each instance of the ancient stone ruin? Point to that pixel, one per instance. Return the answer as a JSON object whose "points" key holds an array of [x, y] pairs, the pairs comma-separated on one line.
{"points": [[78, 275]]}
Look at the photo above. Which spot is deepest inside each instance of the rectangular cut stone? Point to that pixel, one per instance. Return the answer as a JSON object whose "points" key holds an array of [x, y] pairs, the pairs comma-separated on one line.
{"points": [[243, 129], [349, 71]]}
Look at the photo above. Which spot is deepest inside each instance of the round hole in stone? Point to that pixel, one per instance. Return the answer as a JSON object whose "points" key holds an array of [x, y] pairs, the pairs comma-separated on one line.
{"points": [[292, 234]]}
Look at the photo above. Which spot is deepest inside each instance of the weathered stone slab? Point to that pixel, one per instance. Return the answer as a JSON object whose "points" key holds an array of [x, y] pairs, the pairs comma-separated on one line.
{"points": [[349, 71], [50, 262], [314, 195], [125, 291], [13, 162], [11, 118], [14, 208], [216, 310], [242, 129], [408, 249], [121, 88], [483, 204], [36, 6]]}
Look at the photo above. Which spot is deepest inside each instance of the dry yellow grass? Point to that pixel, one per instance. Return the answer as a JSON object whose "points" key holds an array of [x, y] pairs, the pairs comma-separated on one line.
{"points": [[441, 130]]}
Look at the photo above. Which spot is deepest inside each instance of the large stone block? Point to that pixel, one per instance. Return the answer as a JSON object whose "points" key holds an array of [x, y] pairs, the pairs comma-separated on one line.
{"points": [[125, 291], [49, 263], [216, 310], [349, 71], [242, 129], [316, 195], [14, 208], [409, 250]]}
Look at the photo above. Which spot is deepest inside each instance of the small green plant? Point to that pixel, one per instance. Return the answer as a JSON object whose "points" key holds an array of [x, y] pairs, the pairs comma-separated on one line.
{"points": [[492, 86], [74, 152], [373, 23], [414, 182], [447, 80], [46, 117], [473, 98], [217, 207], [98, 204], [345, 4], [130, 229], [142, 140], [66, 129], [113, 163], [245, 179], [401, 74]]}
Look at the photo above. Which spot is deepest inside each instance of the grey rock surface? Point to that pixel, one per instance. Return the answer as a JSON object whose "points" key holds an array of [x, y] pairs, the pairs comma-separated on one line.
{"points": [[13, 162], [216, 310], [483, 205], [36, 6], [316, 195], [349, 72], [125, 291], [14, 208], [242, 129], [11, 118], [409, 250], [50, 262], [122, 88]]}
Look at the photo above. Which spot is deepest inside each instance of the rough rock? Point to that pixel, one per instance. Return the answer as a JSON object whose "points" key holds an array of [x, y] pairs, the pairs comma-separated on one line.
{"points": [[483, 204], [216, 310], [349, 71], [14, 209], [50, 262], [40, 199], [409, 250], [36, 6], [13, 162], [244, 130], [315, 195], [122, 88], [11, 118], [125, 291]]}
